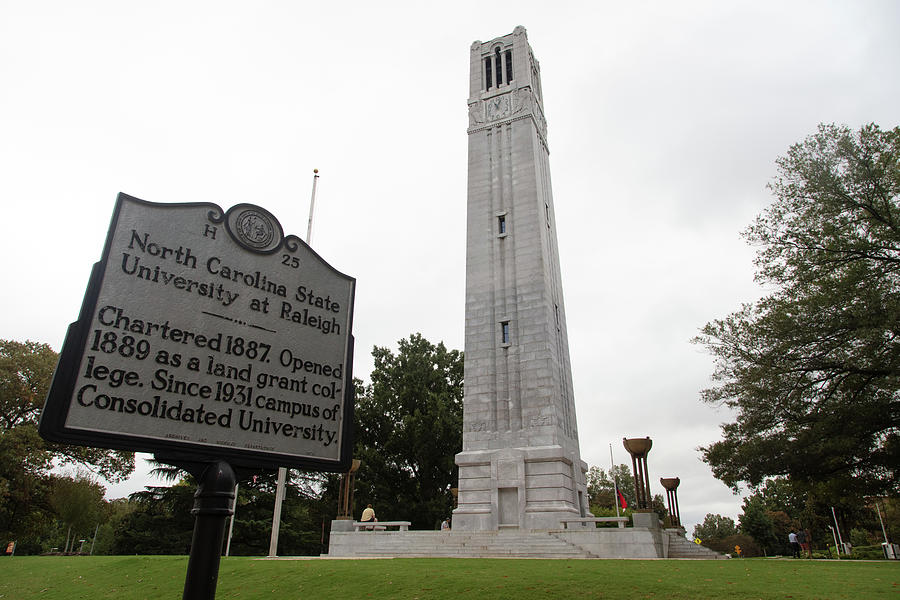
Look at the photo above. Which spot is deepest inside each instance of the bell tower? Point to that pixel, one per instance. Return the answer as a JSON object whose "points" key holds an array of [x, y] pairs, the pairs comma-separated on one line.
{"points": [[520, 466]]}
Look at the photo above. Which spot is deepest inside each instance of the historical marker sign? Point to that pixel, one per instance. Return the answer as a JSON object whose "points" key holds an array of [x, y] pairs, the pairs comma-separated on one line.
{"points": [[211, 333]]}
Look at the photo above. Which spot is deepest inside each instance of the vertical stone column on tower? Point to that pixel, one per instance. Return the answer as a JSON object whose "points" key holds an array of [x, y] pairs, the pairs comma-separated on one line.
{"points": [[520, 466]]}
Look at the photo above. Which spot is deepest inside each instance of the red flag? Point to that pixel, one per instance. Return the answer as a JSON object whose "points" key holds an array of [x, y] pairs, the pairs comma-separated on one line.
{"points": [[622, 502]]}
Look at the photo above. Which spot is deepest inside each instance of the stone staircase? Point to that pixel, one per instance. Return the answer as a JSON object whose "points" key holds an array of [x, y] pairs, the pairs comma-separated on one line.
{"points": [[681, 547], [481, 544], [613, 543]]}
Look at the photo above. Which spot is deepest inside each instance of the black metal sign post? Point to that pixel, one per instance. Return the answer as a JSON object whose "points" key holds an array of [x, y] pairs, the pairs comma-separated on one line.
{"points": [[212, 507], [213, 504], [215, 341]]}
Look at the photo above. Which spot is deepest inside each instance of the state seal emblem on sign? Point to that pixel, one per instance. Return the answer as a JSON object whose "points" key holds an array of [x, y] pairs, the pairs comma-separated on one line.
{"points": [[254, 228]]}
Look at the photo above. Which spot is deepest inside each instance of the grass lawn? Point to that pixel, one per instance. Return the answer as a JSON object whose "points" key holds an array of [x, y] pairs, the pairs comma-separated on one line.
{"points": [[158, 577]]}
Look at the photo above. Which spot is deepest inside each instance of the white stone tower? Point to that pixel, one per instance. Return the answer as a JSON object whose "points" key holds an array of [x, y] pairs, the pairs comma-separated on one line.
{"points": [[520, 466]]}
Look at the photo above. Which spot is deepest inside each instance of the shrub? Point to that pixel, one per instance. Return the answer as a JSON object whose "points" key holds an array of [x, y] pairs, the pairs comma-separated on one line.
{"points": [[726, 545]]}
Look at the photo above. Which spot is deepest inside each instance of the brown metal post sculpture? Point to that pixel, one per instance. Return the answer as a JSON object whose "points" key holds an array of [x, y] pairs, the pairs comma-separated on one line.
{"points": [[345, 493], [671, 485], [638, 449]]}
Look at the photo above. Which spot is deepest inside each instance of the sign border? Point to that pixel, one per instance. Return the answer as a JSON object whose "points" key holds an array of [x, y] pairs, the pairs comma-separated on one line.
{"points": [[56, 406]]}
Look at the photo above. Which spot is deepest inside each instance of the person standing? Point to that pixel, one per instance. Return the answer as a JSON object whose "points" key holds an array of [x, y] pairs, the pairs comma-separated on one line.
{"points": [[801, 539], [795, 545]]}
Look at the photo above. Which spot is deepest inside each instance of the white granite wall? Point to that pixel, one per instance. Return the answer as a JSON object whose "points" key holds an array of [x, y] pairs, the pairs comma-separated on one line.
{"points": [[520, 436]]}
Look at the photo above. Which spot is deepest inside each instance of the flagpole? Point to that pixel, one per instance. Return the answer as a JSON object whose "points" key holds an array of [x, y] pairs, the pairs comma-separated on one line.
{"points": [[231, 525], [312, 204], [282, 472], [612, 470]]}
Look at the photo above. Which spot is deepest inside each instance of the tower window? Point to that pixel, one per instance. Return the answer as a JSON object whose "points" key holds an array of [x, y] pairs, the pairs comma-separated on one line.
{"points": [[509, 66], [498, 65], [488, 75], [501, 224], [504, 332]]}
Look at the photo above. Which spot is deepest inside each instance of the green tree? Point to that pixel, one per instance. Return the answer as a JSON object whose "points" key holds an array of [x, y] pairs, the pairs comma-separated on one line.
{"points": [[408, 431], [889, 511], [726, 545], [26, 369], [715, 527], [601, 486], [811, 370], [78, 502], [781, 504], [860, 537], [159, 523], [780, 493], [25, 373], [782, 526], [602, 499], [658, 505], [756, 522], [158, 520], [303, 515], [114, 511]]}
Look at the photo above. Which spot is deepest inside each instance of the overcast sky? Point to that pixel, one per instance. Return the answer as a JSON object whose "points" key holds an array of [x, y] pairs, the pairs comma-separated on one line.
{"points": [[665, 119]]}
